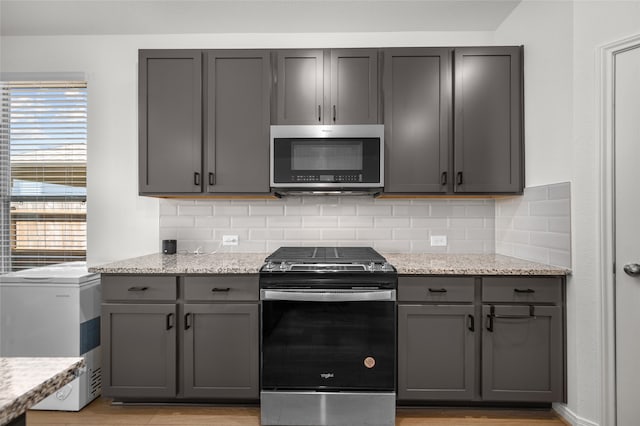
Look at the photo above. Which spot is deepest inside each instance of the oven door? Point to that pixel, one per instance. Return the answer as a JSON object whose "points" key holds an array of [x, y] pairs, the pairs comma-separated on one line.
{"points": [[328, 340]]}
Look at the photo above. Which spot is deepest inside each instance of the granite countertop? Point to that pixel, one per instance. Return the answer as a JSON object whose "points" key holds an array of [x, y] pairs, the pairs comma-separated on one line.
{"points": [[468, 264], [405, 263], [216, 263], [26, 381]]}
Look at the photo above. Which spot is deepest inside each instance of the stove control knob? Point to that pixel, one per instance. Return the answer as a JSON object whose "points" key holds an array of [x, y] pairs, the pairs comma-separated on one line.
{"points": [[372, 267], [387, 267]]}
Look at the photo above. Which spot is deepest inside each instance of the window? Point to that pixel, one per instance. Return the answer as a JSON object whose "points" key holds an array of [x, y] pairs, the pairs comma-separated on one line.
{"points": [[43, 157]]}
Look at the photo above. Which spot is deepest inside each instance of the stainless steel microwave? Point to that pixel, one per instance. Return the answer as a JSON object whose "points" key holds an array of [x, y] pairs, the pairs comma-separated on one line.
{"points": [[327, 159]]}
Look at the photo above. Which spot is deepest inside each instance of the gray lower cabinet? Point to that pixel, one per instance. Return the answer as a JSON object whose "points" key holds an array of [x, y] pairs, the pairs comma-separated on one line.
{"points": [[517, 343], [139, 350], [436, 352], [168, 338], [523, 355], [330, 86]]}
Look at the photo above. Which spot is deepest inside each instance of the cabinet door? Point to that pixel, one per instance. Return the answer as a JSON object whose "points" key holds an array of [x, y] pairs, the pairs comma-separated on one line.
{"points": [[300, 87], [522, 355], [354, 86], [488, 120], [436, 352], [417, 93], [169, 121], [221, 351], [139, 350], [238, 87]]}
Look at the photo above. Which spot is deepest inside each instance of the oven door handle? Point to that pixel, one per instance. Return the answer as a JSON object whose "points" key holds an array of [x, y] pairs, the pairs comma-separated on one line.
{"points": [[328, 295]]}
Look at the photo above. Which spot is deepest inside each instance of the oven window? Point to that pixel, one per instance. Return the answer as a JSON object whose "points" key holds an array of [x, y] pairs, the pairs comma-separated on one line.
{"points": [[311, 155], [328, 345]]}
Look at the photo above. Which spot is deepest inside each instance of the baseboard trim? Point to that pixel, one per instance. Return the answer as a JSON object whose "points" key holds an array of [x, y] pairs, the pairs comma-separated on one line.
{"points": [[571, 417]]}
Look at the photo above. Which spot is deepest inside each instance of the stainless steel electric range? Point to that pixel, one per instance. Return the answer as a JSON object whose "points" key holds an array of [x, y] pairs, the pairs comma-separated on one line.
{"points": [[328, 337]]}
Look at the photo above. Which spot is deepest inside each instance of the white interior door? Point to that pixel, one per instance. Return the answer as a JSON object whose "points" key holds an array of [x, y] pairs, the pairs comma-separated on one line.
{"points": [[627, 235]]}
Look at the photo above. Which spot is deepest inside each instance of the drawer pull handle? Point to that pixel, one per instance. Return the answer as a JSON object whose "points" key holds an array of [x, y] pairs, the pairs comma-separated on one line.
{"points": [[138, 289], [524, 290], [437, 290], [170, 321], [471, 323], [220, 289], [187, 321], [492, 315]]}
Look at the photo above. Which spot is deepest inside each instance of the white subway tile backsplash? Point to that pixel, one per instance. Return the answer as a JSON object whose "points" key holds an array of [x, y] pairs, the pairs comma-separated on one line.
{"points": [[303, 234], [224, 209], [390, 225], [320, 222], [374, 210], [355, 222], [392, 222], [266, 210], [550, 208], [536, 226], [194, 210]]}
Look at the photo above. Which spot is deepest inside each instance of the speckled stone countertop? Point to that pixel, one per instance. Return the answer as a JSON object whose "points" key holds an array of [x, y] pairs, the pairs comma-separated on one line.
{"points": [[26, 381], [468, 264], [409, 264], [218, 263]]}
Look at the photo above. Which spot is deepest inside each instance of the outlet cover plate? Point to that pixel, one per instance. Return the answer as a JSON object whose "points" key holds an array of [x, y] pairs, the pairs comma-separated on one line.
{"points": [[438, 240], [229, 240]]}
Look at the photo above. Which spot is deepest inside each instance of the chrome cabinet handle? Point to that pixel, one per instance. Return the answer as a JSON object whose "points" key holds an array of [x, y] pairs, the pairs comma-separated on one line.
{"points": [[632, 269]]}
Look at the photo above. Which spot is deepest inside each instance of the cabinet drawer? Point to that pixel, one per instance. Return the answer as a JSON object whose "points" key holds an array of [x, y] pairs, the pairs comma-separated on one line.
{"points": [[135, 288], [522, 289], [221, 288], [436, 289]]}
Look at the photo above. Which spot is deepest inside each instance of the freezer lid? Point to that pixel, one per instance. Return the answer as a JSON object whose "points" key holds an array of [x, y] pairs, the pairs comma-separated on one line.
{"points": [[62, 273]]}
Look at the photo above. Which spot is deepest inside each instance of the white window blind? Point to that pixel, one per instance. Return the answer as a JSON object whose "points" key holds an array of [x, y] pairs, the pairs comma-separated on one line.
{"points": [[44, 158]]}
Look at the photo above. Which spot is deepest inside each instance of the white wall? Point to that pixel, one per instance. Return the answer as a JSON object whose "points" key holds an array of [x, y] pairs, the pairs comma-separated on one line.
{"points": [[120, 223], [561, 117]]}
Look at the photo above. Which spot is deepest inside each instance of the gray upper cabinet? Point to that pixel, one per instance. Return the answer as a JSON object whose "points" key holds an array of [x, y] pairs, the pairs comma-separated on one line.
{"points": [[192, 143], [354, 86], [453, 120], [237, 111], [417, 93], [338, 86], [170, 121], [488, 133], [300, 86]]}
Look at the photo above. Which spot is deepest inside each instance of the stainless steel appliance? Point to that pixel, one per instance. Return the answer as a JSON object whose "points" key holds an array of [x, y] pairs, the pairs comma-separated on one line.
{"points": [[328, 337], [335, 159]]}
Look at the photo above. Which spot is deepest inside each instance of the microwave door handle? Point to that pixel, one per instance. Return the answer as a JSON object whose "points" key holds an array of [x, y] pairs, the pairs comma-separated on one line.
{"points": [[328, 295]]}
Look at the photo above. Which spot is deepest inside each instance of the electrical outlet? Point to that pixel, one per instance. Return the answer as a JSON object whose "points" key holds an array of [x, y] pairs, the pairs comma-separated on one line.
{"points": [[229, 240], [438, 240]]}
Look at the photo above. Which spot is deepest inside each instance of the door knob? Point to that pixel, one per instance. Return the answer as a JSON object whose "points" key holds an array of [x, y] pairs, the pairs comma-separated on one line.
{"points": [[632, 269]]}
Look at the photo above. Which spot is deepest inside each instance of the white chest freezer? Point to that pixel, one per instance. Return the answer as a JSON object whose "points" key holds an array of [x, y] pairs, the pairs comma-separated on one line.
{"points": [[54, 311]]}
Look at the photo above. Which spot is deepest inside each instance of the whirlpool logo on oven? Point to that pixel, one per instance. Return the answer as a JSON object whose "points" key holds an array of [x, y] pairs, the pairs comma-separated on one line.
{"points": [[327, 375]]}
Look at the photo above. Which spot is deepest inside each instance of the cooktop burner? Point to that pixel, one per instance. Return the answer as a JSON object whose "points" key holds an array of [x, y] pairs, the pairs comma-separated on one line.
{"points": [[323, 255], [326, 259]]}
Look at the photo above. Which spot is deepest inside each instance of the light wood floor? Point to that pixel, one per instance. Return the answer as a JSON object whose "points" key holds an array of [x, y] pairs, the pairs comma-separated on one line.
{"points": [[102, 413]]}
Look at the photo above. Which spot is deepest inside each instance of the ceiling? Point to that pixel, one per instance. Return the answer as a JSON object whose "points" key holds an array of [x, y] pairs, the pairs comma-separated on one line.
{"points": [[74, 17]]}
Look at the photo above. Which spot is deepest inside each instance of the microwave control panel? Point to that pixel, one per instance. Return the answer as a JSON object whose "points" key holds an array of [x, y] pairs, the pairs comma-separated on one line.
{"points": [[327, 178]]}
